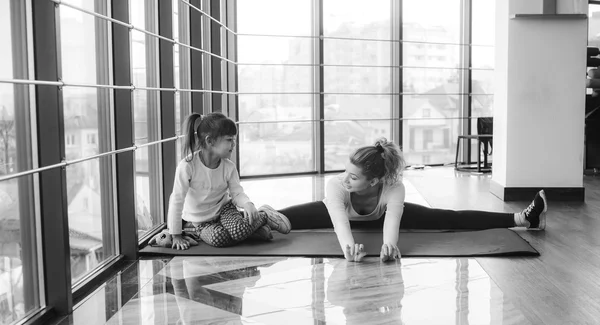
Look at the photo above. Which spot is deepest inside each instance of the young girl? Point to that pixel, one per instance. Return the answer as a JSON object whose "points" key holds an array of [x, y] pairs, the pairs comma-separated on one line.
{"points": [[207, 190], [370, 194]]}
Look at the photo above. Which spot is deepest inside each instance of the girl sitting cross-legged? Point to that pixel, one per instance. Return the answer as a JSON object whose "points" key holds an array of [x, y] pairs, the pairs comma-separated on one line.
{"points": [[207, 190]]}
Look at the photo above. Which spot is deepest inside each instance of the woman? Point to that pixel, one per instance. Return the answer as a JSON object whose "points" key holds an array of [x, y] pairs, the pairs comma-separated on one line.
{"points": [[370, 194]]}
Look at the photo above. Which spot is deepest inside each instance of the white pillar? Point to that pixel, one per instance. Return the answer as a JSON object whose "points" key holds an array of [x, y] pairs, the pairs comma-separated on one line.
{"points": [[539, 98]]}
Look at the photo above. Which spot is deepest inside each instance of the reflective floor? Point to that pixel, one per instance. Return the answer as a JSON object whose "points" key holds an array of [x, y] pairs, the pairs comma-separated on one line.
{"points": [[254, 290]]}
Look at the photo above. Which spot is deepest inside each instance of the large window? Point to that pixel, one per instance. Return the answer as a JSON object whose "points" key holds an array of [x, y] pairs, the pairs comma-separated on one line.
{"points": [[146, 115], [276, 82], [87, 114], [181, 66], [357, 76], [432, 79], [19, 267], [358, 72]]}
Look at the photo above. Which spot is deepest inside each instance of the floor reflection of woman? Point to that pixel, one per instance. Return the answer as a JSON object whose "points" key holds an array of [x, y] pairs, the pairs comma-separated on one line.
{"points": [[369, 292]]}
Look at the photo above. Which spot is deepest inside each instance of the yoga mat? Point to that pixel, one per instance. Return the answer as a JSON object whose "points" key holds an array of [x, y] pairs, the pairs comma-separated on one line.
{"points": [[491, 242]]}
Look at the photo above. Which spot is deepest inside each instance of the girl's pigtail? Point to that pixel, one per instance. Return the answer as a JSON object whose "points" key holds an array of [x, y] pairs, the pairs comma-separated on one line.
{"points": [[190, 144]]}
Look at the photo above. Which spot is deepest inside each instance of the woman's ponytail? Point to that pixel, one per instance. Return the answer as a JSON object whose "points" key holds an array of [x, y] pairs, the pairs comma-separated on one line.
{"points": [[393, 160]]}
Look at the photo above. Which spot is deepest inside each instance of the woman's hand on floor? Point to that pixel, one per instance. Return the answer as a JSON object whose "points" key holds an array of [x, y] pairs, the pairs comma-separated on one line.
{"points": [[355, 253], [389, 252], [180, 243]]}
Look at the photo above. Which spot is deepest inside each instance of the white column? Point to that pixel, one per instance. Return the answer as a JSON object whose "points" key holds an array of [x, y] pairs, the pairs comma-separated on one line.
{"points": [[539, 100]]}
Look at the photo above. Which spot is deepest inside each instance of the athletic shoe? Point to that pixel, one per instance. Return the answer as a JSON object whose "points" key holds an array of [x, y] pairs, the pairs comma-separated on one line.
{"points": [[535, 213], [276, 220]]}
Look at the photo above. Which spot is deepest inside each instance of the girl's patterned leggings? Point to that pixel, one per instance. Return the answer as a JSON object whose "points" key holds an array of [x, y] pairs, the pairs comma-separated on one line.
{"points": [[229, 227]]}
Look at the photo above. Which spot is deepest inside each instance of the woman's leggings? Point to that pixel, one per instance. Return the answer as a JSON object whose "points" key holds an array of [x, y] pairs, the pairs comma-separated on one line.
{"points": [[314, 215]]}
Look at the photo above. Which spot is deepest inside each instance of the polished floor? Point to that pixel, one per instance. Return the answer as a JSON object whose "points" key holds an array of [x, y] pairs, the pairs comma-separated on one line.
{"points": [[561, 286]]}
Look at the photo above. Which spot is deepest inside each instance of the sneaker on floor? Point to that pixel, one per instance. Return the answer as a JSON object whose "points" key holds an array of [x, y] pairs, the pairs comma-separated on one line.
{"points": [[276, 220], [535, 213], [262, 233]]}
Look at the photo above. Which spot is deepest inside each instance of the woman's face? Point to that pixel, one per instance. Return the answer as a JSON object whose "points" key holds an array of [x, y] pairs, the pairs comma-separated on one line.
{"points": [[354, 179]]}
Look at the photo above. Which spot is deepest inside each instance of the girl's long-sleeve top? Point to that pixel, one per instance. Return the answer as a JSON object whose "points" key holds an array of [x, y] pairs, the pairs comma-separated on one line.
{"points": [[339, 206], [199, 192]]}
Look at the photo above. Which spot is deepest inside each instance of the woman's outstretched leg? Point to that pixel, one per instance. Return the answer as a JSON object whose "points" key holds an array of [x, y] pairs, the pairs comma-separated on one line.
{"points": [[420, 217], [311, 215]]}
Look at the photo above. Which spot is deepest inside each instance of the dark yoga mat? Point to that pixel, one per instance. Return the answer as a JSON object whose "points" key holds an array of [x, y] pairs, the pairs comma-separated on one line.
{"points": [[492, 242]]}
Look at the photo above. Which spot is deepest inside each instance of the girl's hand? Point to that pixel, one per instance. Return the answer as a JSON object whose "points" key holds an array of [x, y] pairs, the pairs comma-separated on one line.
{"points": [[179, 243], [250, 212], [355, 253], [389, 252]]}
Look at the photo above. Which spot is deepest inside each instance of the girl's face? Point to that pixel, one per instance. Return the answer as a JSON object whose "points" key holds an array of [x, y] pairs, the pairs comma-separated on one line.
{"points": [[354, 180], [223, 146]]}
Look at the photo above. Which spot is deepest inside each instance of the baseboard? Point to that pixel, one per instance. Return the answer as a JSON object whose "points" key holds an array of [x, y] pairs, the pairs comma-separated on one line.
{"points": [[506, 194]]}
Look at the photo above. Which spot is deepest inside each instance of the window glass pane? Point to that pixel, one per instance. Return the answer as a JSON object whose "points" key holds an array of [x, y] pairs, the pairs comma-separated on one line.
{"points": [[146, 115], [147, 161], [275, 17], [20, 293], [482, 57], [79, 41], [357, 52], [357, 19], [594, 25], [430, 128], [429, 140], [483, 22], [593, 31], [482, 82], [431, 81], [256, 108], [274, 79], [482, 60], [357, 80], [420, 55], [357, 106], [91, 225], [87, 116], [431, 21], [267, 148], [6, 62], [343, 137], [181, 66], [430, 106], [275, 148], [280, 49], [482, 106]]}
